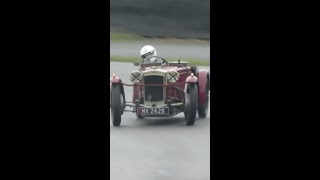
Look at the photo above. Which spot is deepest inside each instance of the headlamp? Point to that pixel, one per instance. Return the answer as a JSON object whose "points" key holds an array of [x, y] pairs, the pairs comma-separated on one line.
{"points": [[136, 76], [173, 76]]}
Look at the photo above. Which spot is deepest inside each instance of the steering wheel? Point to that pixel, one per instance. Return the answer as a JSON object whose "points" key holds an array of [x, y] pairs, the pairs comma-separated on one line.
{"points": [[158, 57]]}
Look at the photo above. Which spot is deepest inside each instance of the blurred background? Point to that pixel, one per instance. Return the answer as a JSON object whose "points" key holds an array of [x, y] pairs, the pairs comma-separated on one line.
{"points": [[165, 18], [178, 29]]}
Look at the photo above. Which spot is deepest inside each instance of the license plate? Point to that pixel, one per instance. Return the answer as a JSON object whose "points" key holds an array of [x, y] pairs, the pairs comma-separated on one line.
{"points": [[153, 111]]}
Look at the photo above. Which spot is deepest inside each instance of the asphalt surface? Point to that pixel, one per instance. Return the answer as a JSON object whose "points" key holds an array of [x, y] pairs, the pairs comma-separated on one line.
{"points": [[182, 50], [157, 148]]}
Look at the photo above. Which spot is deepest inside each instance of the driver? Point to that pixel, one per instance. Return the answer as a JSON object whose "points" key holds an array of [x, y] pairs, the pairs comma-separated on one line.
{"points": [[148, 54]]}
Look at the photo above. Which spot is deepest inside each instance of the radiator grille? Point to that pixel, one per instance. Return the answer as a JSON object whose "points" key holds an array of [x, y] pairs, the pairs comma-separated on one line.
{"points": [[153, 93]]}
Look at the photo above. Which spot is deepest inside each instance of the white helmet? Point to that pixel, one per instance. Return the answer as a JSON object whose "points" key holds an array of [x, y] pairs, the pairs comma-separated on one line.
{"points": [[148, 51]]}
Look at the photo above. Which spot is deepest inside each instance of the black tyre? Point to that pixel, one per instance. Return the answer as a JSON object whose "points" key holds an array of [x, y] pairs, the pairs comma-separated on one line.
{"points": [[191, 103], [194, 69], [203, 109], [116, 105]]}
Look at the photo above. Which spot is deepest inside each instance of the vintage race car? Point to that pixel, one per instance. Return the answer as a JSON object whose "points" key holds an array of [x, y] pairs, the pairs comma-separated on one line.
{"points": [[162, 89]]}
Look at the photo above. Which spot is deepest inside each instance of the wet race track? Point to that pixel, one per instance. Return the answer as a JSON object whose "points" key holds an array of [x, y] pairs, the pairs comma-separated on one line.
{"points": [[157, 148]]}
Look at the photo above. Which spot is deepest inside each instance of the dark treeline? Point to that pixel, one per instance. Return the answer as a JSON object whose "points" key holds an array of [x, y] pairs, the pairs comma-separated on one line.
{"points": [[173, 18]]}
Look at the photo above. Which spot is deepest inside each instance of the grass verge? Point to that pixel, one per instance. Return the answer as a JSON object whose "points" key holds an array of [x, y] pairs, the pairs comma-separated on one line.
{"points": [[124, 36], [121, 36], [137, 59]]}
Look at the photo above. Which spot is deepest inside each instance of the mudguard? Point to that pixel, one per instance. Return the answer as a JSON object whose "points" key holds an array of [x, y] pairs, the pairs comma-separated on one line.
{"points": [[190, 80], [202, 75], [117, 80]]}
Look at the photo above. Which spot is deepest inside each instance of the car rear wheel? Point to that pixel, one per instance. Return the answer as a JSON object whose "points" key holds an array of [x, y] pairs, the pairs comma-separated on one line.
{"points": [[203, 108], [116, 105], [191, 104]]}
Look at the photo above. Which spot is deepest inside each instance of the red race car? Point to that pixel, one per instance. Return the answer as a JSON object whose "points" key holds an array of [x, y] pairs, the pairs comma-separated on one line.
{"points": [[162, 89]]}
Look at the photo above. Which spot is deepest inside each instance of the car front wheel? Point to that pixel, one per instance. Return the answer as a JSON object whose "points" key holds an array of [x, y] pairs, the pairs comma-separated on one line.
{"points": [[116, 105], [191, 103]]}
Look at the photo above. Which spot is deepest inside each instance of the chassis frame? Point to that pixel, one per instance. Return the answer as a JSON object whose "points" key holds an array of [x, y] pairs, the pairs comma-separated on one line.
{"points": [[137, 104]]}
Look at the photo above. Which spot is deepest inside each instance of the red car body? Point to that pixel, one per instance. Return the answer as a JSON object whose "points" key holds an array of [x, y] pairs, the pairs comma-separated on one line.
{"points": [[164, 89]]}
